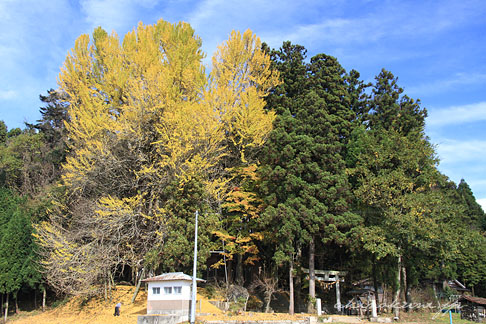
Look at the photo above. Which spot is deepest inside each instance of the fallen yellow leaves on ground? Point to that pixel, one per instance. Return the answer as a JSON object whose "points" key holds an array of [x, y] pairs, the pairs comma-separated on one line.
{"points": [[98, 311], [93, 311], [251, 316]]}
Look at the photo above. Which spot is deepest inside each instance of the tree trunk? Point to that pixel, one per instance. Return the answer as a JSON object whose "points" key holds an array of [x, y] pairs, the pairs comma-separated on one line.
{"points": [[338, 295], [109, 287], [268, 299], [138, 285], [113, 285], [105, 288], [375, 285], [385, 299], [225, 270], [406, 288], [17, 310], [408, 297], [6, 310], [44, 293], [435, 296], [312, 277], [229, 273], [298, 283], [291, 287], [396, 297], [239, 270]]}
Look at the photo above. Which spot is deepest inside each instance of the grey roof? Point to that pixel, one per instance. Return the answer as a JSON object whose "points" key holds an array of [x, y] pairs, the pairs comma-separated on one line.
{"points": [[171, 276], [476, 300]]}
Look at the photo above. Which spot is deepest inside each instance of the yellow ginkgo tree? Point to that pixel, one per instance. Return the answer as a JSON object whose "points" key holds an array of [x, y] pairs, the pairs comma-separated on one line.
{"points": [[146, 123]]}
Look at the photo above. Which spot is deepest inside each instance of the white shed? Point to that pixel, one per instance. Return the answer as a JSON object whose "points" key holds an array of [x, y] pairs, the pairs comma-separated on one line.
{"points": [[169, 293]]}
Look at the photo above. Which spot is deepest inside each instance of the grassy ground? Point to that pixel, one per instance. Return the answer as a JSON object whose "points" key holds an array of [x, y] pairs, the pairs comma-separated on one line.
{"points": [[424, 318], [432, 318]]}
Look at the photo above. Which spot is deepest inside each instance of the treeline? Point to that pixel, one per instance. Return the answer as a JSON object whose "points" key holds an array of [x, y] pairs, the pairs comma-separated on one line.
{"points": [[292, 164]]}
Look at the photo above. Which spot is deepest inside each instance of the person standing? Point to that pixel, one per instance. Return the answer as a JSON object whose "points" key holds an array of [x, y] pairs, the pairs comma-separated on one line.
{"points": [[117, 309]]}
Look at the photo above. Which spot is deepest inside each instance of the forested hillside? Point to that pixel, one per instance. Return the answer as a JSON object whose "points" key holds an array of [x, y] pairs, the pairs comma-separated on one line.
{"points": [[292, 162]]}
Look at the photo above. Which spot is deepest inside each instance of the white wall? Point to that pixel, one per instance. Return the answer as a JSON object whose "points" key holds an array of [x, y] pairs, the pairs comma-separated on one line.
{"points": [[184, 295]]}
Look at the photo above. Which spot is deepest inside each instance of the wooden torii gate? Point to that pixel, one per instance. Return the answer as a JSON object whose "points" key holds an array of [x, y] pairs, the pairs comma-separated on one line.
{"points": [[331, 276]]}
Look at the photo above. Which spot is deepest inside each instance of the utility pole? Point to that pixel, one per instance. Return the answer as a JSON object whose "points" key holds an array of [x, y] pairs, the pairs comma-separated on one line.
{"points": [[194, 284]]}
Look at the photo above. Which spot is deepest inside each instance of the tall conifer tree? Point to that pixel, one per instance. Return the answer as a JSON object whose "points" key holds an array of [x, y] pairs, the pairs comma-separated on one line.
{"points": [[304, 170], [473, 210], [392, 166]]}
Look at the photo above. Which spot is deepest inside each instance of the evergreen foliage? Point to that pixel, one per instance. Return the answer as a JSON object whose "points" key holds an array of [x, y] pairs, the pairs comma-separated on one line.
{"points": [[292, 163], [18, 259], [304, 171], [474, 212]]}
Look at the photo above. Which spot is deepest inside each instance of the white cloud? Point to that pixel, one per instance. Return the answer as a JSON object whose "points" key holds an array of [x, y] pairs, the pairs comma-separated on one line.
{"points": [[330, 30], [31, 51], [464, 160], [206, 11], [109, 14], [7, 94], [455, 151], [381, 32], [213, 20], [482, 202], [477, 182], [457, 115], [114, 15], [386, 21], [442, 86]]}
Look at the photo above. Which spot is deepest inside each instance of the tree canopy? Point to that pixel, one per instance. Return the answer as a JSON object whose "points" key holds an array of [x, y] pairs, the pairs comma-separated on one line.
{"points": [[152, 138], [293, 164]]}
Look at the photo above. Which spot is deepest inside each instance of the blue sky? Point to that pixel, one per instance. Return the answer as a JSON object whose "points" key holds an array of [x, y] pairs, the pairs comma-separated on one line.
{"points": [[437, 48]]}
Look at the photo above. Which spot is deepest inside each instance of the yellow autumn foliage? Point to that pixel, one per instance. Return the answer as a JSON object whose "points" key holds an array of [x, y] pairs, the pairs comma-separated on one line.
{"points": [[143, 114], [154, 86]]}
